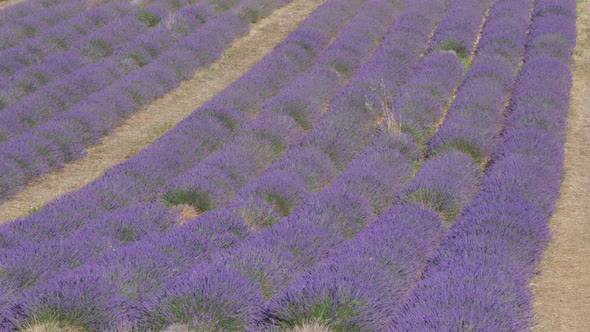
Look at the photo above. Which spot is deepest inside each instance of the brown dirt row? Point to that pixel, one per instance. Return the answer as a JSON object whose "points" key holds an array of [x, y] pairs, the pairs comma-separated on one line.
{"points": [[562, 290], [150, 123], [6, 3]]}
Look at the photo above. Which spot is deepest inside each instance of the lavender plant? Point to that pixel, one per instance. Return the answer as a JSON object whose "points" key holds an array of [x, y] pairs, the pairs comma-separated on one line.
{"points": [[127, 95], [340, 293], [294, 244], [110, 202], [288, 219], [94, 124], [28, 26], [495, 247], [336, 196], [340, 308]]}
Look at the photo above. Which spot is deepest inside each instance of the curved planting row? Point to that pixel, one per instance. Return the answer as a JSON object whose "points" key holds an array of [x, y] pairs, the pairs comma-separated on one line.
{"points": [[103, 57], [288, 119], [474, 122], [344, 44], [361, 286], [293, 236], [60, 135], [311, 36], [99, 32], [177, 250], [10, 14], [21, 28], [58, 38], [479, 278], [199, 135]]}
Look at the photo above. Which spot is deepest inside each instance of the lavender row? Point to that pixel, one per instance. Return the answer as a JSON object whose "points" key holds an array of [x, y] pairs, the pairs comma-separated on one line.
{"points": [[57, 38], [201, 133], [195, 137], [94, 37], [288, 119], [28, 26], [556, 40], [495, 247], [301, 38], [358, 286], [63, 138], [186, 236], [458, 31], [269, 257], [351, 31], [303, 85], [9, 14], [474, 121], [458, 26], [554, 30], [103, 44], [336, 293]]}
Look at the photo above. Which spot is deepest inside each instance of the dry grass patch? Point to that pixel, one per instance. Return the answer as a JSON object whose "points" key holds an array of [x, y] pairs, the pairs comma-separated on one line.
{"points": [[49, 327], [6, 3], [177, 328], [311, 327], [186, 212]]}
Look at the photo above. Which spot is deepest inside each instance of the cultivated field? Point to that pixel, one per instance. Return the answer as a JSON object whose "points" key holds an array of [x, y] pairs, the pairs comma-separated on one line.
{"points": [[294, 165], [562, 290]]}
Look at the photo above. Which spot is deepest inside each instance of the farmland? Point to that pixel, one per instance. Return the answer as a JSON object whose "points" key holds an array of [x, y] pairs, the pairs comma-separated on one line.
{"points": [[372, 165]]}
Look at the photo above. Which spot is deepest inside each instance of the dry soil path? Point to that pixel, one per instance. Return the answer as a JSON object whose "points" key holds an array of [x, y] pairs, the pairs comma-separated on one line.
{"points": [[562, 290], [5, 3], [150, 123]]}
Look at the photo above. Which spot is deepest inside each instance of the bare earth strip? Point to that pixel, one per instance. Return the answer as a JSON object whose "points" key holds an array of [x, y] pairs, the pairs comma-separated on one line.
{"points": [[562, 290], [6, 3], [152, 122]]}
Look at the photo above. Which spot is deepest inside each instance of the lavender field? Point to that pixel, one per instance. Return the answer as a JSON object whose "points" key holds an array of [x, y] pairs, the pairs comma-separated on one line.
{"points": [[391, 165]]}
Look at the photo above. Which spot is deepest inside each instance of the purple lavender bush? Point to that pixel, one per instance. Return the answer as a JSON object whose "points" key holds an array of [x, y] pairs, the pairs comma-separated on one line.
{"points": [[28, 26], [360, 284], [116, 201], [195, 301], [443, 194], [127, 96], [301, 243], [456, 29], [94, 124], [62, 303], [164, 154], [494, 249]]}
